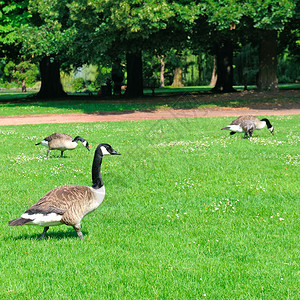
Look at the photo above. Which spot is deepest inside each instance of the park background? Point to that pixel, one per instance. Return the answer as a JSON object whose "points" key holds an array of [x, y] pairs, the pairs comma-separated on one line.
{"points": [[190, 212]]}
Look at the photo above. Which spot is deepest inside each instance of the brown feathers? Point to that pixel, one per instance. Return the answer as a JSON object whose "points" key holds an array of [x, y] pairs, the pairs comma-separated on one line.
{"points": [[62, 142], [18, 222]]}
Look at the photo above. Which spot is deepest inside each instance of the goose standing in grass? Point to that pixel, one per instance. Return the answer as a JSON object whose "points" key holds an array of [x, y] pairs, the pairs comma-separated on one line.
{"points": [[62, 142], [68, 204], [248, 124]]}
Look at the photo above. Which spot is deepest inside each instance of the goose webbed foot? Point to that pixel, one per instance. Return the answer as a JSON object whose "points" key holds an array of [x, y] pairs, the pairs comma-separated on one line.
{"points": [[232, 132], [78, 230], [44, 233]]}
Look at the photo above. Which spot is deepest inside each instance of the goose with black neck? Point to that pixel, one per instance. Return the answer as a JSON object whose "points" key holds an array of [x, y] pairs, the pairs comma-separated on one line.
{"points": [[68, 204], [248, 124]]}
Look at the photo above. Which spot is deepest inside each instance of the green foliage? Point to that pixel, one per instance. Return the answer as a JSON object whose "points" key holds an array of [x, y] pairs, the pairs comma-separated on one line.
{"points": [[24, 71], [96, 32], [104, 73], [78, 84], [190, 212], [269, 14], [13, 14], [49, 32], [264, 14], [288, 68], [129, 26]]}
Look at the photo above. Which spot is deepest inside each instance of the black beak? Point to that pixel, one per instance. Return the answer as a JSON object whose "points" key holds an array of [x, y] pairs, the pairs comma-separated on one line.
{"points": [[114, 152]]}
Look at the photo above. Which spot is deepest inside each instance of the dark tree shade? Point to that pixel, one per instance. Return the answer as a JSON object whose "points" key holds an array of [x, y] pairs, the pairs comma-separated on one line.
{"points": [[134, 74], [267, 76], [50, 76], [224, 68]]}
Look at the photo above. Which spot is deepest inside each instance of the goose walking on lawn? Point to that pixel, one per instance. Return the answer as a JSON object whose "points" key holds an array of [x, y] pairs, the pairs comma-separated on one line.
{"points": [[62, 142], [68, 204], [248, 124]]}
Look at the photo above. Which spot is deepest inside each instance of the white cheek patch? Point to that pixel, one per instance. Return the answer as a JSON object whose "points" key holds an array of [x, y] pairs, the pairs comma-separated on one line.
{"points": [[104, 151], [44, 143], [271, 129], [43, 220], [84, 143]]}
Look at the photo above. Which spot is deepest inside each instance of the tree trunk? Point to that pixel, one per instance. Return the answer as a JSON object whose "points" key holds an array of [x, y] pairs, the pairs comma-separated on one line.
{"points": [[51, 86], [213, 79], [162, 71], [177, 81], [23, 86], [134, 75], [267, 74], [224, 68]]}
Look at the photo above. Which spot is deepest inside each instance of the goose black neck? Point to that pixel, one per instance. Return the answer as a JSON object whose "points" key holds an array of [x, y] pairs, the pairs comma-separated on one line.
{"points": [[96, 170], [78, 138], [267, 122]]}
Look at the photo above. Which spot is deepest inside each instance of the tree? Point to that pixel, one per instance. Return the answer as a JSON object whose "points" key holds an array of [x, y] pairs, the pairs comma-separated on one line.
{"points": [[268, 18], [47, 39], [127, 28], [13, 14], [238, 22], [24, 72]]}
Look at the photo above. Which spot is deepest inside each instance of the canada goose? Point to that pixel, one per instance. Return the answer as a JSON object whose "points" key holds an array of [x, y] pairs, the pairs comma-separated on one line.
{"points": [[248, 124], [68, 204], [62, 142]]}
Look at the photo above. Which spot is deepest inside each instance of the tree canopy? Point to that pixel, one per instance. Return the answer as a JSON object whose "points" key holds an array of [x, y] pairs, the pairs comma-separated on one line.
{"points": [[76, 32]]}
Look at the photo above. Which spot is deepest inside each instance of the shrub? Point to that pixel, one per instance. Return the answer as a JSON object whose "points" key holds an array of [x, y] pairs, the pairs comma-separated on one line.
{"points": [[78, 84]]}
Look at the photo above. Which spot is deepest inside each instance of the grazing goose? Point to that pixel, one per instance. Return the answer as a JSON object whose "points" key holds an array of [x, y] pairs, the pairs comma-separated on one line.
{"points": [[62, 142], [248, 124], [68, 204]]}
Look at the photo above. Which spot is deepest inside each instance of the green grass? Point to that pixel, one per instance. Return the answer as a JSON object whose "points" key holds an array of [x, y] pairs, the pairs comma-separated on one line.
{"points": [[190, 213], [183, 98]]}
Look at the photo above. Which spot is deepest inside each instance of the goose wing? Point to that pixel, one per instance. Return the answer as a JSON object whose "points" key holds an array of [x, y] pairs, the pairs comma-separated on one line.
{"points": [[242, 119], [65, 204], [60, 199], [58, 135]]}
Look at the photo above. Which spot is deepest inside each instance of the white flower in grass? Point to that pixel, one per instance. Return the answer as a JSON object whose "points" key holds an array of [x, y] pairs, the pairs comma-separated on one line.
{"points": [[281, 219]]}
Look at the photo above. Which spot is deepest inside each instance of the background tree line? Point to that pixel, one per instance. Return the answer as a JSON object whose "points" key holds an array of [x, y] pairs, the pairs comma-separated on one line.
{"points": [[170, 42]]}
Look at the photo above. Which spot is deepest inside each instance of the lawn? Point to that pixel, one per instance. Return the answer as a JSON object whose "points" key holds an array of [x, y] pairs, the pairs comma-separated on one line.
{"points": [[190, 213], [176, 98]]}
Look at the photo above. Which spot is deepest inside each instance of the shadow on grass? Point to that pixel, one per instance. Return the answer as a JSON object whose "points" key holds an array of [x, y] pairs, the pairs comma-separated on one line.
{"points": [[182, 99], [60, 235]]}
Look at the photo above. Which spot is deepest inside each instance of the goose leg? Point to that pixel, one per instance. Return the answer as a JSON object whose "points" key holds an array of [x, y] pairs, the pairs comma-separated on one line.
{"points": [[250, 133], [61, 155], [44, 232], [48, 153], [246, 135], [78, 230]]}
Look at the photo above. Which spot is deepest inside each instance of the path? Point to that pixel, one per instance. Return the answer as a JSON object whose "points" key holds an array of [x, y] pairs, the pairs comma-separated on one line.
{"points": [[141, 115]]}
